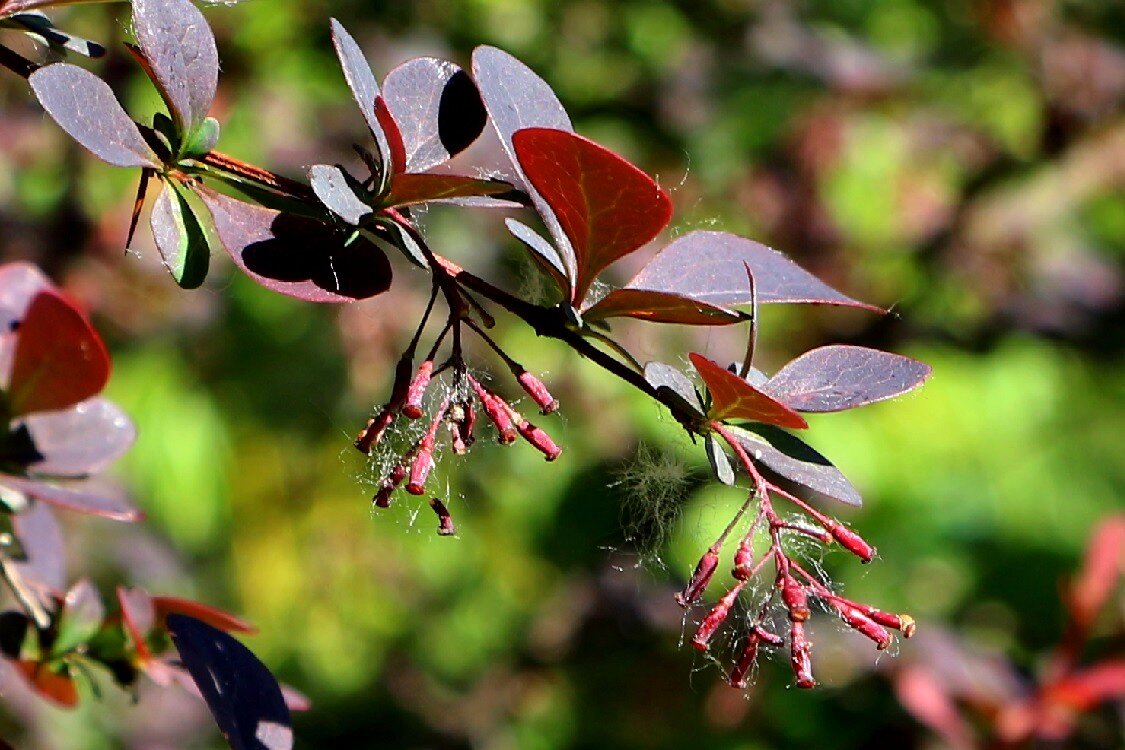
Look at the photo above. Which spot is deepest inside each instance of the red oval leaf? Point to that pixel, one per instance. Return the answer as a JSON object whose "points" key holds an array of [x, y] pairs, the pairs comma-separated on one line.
{"points": [[606, 206], [59, 361], [216, 618], [835, 378], [659, 307], [734, 398]]}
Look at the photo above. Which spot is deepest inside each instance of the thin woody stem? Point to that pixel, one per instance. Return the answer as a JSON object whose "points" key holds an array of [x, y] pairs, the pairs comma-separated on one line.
{"points": [[17, 63]]}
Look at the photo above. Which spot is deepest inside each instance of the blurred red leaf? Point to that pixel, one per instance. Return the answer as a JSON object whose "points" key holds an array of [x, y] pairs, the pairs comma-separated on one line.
{"points": [[59, 360], [57, 688], [930, 703], [606, 206], [216, 618], [1105, 559], [734, 398]]}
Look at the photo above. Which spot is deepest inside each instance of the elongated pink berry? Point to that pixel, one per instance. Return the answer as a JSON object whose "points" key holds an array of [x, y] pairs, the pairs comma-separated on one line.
{"points": [[445, 521], [861, 623], [498, 412], [467, 423], [538, 392], [795, 598], [704, 570], [373, 432], [718, 614], [768, 638], [741, 671], [540, 439], [744, 558], [852, 542], [389, 484], [424, 458], [904, 623], [412, 406], [800, 655]]}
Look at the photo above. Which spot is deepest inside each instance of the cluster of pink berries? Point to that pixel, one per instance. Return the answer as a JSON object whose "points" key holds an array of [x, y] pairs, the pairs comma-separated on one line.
{"points": [[458, 415]]}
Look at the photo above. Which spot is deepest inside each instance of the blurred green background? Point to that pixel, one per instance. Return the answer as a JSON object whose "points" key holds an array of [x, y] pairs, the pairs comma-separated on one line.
{"points": [[962, 161]]}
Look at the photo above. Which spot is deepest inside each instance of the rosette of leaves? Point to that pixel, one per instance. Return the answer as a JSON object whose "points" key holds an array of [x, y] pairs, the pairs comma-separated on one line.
{"points": [[170, 640], [59, 431], [426, 112], [27, 17]]}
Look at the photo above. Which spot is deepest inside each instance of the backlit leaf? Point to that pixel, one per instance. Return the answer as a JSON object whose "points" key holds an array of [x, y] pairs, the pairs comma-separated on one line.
{"points": [[834, 378], [179, 237], [180, 50], [407, 189], [791, 459], [659, 307], [338, 193], [81, 440], [76, 498], [711, 267], [138, 616], [606, 206], [59, 358], [84, 106], [734, 398], [295, 255], [662, 376], [365, 89], [243, 696], [44, 563], [720, 462], [544, 253], [437, 108]]}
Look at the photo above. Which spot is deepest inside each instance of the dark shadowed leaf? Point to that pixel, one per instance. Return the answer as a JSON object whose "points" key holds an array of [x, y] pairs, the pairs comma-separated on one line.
{"points": [[40, 27], [364, 88], [834, 378], [84, 106], [81, 440], [80, 500], [791, 459], [59, 358], [338, 193], [44, 553], [243, 696], [407, 189], [734, 398], [659, 307], [607, 207], [719, 460], [179, 236], [81, 617], [516, 98], [180, 49], [298, 256], [437, 108], [544, 253], [666, 377], [711, 267], [216, 618]]}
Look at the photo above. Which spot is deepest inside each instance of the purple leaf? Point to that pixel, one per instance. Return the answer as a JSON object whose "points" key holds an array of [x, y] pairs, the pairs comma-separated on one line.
{"points": [[516, 98], [544, 253], [835, 378], [437, 108], [659, 307], [43, 546], [243, 696], [790, 458], [81, 440], [711, 267], [364, 88], [104, 504], [180, 50], [84, 106], [662, 376], [337, 193], [295, 255]]}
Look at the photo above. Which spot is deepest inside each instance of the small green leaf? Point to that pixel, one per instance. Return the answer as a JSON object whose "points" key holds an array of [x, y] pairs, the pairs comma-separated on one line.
{"points": [[179, 236], [202, 140], [81, 618]]}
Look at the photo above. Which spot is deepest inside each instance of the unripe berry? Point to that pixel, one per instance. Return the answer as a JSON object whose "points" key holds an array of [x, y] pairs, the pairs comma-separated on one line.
{"points": [[852, 542], [540, 439], [704, 569], [445, 521], [745, 662], [861, 623], [412, 406], [715, 618], [389, 484], [795, 599], [800, 655], [373, 432], [538, 392]]}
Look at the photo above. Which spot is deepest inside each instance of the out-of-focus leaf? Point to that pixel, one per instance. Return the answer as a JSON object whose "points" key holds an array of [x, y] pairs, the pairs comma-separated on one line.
{"points": [[216, 618], [243, 696], [517, 98], [794, 460], [1104, 565], [295, 255], [84, 106], [662, 376], [183, 60], [102, 504], [338, 193], [179, 237], [81, 440], [40, 27], [81, 617], [711, 267], [719, 460], [930, 703], [16, 6], [606, 206], [420, 188], [138, 615], [59, 359], [839, 377], [1086, 688], [365, 89], [734, 398], [44, 563], [19, 283], [56, 686], [544, 253], [659, 307], [438, 110]]}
